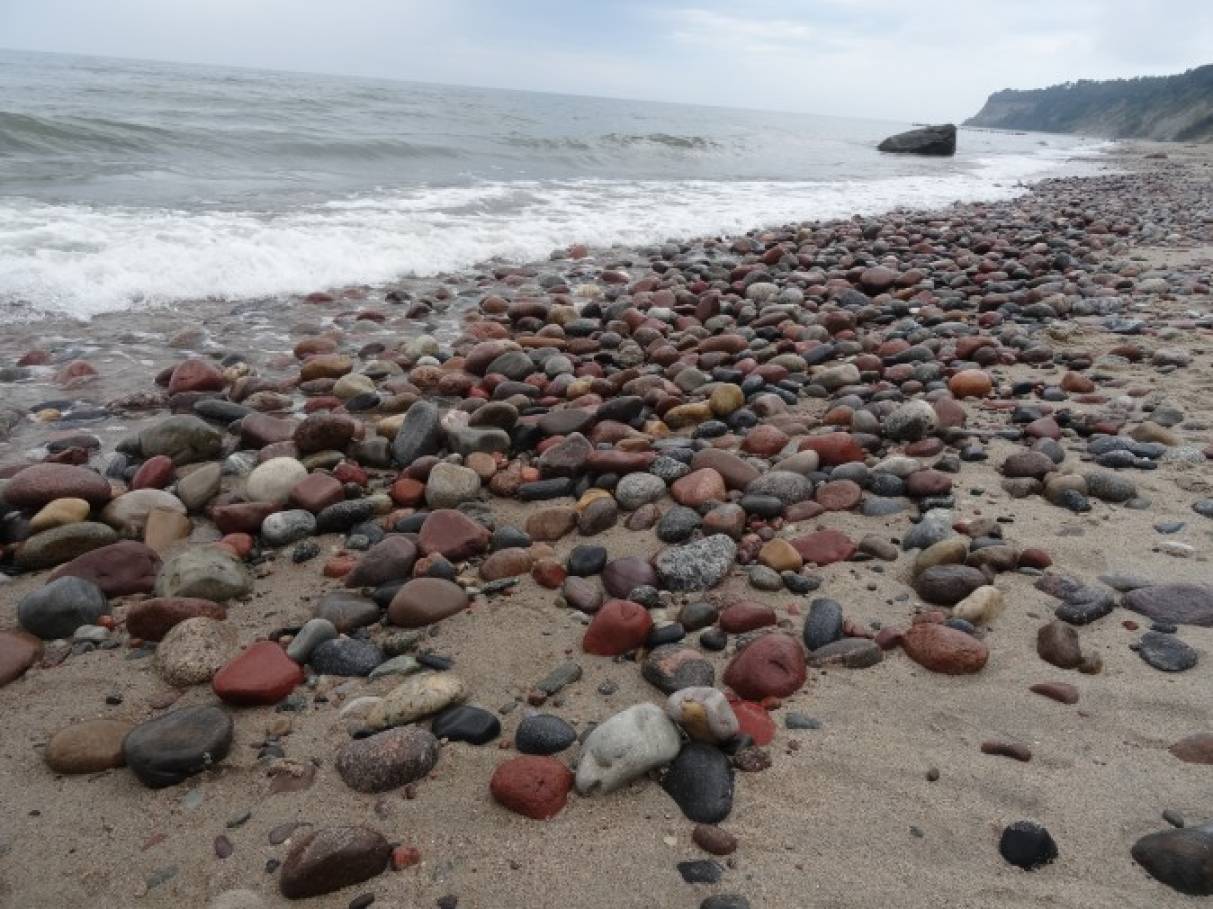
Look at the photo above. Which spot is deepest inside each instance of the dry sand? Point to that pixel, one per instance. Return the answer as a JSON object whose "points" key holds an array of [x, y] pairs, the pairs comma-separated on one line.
{"points": [[845, 816]]}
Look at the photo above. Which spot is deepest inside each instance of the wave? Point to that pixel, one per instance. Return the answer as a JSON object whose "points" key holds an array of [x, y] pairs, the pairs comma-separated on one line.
{"points": [[82, 261], [29, 134]]}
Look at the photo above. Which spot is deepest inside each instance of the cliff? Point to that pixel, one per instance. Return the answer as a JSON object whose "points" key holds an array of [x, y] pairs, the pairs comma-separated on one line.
{"points": [[1169, 108]]}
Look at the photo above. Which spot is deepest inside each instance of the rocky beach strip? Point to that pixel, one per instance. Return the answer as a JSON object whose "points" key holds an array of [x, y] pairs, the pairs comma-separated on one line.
{"points": [[604, 551]]}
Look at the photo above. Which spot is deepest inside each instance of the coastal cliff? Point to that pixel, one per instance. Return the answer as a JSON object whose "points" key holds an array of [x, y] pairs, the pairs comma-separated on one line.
{"points": [[1168, 108]]}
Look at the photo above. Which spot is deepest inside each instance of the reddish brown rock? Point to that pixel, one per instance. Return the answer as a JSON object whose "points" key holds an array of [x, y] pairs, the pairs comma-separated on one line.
{"points": [[550, 524], [618, 627], [242, 517], [195, 375], [40, 484], [616, 461], [453, 535], [825, 547], [1194, 749], [152, 619], [119, 569], [746, 616], [834, 448], [331, 858], [533, 786], [18, 651], [324, 432], [258, 430], [154, 473], [764, 440], [838, 495], [424, 601], [771, 666], [971, 383], [942, 649], [714, 840], [736, 473], [262, 674], [698, 487], [621, 576], [316, 492], [506, 563], [1058, 691], [924, 483], [88, 747], [391, 559]]}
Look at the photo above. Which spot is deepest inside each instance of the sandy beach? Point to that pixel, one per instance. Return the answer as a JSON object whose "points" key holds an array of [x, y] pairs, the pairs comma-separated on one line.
{"points": [[846, 814]]}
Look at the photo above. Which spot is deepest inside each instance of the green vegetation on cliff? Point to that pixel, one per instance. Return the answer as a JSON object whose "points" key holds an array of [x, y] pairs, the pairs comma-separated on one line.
{"points": [[1178, 108]]}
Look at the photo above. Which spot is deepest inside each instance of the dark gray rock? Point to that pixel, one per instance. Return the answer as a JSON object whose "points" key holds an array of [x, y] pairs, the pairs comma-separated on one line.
{"points": [[823, 625], [543, 733], [1166, 652], [346, 657], [928, 140], [62, 606], [420, 433], [167, 749], [700, 781], [464, 723], [1181, 859]]}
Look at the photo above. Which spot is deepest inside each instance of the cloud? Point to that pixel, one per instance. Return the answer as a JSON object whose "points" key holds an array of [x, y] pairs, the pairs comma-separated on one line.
{"points": [[930, 59]]}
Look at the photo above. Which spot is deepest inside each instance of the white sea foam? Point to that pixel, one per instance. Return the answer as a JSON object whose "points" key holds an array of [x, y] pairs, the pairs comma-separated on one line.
{"points": [[82, 261]]}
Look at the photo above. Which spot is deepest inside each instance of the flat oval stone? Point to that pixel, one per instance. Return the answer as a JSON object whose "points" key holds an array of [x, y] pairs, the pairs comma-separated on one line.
{"points": [[943, 649], [387, 760], [700, 781], [87, 747], [543, 734], [424, 601], [473, 725], [332, 858], [167, 749]]}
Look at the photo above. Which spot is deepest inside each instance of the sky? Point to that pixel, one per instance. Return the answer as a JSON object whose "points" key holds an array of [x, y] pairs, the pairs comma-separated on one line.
{"points": [[914, 60]]}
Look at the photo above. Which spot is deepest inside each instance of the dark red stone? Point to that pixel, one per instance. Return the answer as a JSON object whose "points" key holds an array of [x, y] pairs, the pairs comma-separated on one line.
{"points": [[533, 786], [618, 627], [773, 665], [262, 674]]}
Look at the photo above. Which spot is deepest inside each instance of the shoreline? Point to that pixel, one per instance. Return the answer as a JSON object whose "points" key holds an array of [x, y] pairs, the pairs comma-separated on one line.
{"points": [[842, 813]]}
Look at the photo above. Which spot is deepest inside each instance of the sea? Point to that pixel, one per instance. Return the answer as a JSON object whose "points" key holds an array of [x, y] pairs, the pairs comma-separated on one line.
{"points": [[130, 184]]}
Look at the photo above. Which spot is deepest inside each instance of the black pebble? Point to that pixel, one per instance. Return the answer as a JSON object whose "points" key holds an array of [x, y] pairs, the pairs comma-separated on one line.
{"points": [[1027, 845]]}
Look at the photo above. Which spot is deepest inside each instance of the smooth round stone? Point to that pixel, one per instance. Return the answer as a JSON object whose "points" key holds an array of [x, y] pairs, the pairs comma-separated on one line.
{"points": [[262, 674], [285, 527], [41, 484], [18, 651], [1166, 652], [87, 747], [543, 733], [585, 561], [347, 611], [168, 749], [345, 657], [1181, 859], [771, 666], [697, 614], [417, 697], [63, 544], [824, 623], [1027, 845], [119, 569], [947, 585], [674, 666], [203, 572], [387, 759], [700, 781], [582, 595], [272, 480], [763, 578], [621, 576], [943, 649], [473, 725], [533, 786], [424, 601], [194, 650], [332, 858], [677, 525], [624, 747], [313, 633], [58, 513], [62, 606], [390, 559]]}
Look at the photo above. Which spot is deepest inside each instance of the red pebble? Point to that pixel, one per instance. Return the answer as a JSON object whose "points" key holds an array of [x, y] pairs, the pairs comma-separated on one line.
{"points": [[533, 786], [619, 626], [405, 857]]}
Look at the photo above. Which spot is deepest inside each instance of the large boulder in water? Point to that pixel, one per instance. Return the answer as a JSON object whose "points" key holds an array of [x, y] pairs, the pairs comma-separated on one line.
{"points": [[929, 140]]}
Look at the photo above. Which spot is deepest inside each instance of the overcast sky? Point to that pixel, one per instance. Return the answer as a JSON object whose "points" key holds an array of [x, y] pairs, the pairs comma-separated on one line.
{"points": [[894, 59]]}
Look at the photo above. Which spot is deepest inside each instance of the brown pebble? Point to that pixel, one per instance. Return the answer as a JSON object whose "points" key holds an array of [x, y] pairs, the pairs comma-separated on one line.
{"points": [[223, 846], [714, 840], [1003, 748], [1058, 691]]}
